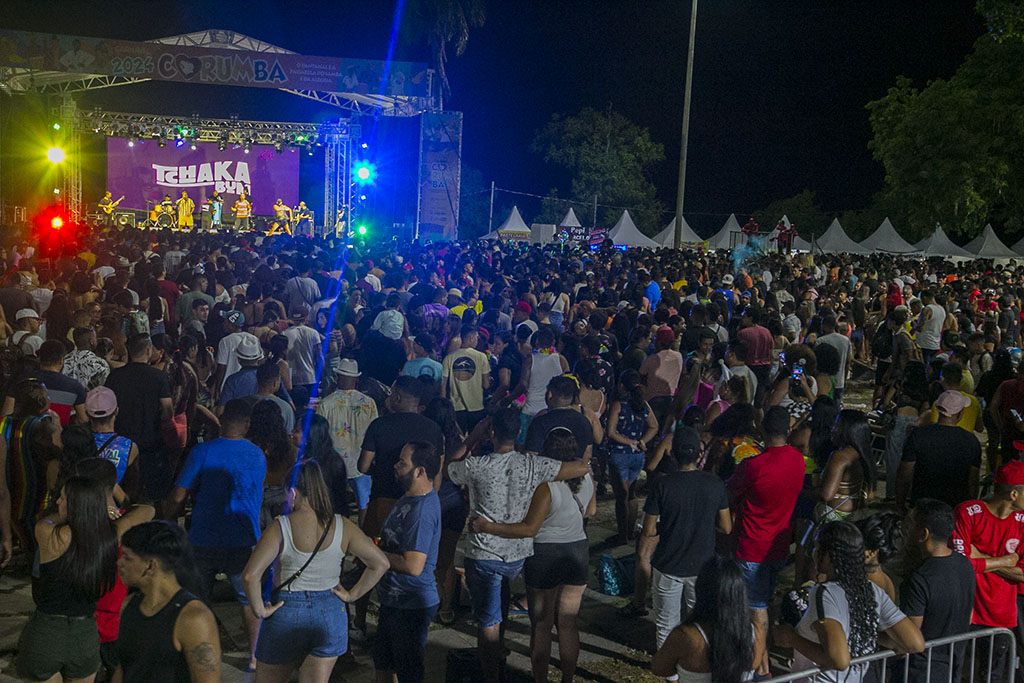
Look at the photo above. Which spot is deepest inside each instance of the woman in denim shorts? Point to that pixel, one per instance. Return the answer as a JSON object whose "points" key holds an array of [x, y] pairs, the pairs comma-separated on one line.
{"points": [[631, 424], [305, 624]]}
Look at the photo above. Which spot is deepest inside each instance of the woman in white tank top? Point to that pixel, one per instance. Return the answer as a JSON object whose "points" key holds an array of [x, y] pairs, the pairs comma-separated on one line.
{"points": [[717, 641], [542, 365], [309, 594]]}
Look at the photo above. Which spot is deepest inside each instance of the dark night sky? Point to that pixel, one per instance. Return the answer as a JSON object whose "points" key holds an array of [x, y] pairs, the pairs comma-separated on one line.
{"points": [[779, 86]]}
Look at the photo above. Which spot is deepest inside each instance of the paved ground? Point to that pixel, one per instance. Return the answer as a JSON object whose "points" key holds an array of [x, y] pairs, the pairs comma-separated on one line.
{"points": [[613, 646]]}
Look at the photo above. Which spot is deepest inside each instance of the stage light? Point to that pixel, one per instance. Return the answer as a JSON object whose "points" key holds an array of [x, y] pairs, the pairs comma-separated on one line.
{"points": [[247, 148], [56, 126], [179, 142], [364, 172], [56, 190], [131, 143], [56, 223], [361, 229], [362, 197], [300, 138], [161, 143], [364, 145], [193, 145], [55, 155]]}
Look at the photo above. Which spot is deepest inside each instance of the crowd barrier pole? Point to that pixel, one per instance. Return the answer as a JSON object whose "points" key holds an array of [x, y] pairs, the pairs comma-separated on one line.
{"points": [[977, 666]]}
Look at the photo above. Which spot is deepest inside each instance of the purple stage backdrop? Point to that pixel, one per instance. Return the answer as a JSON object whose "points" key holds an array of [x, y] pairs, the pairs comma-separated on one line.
{"points": [[146, 172]]}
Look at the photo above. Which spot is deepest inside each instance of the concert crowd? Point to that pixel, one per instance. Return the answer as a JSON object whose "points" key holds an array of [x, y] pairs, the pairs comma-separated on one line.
{"points": [[812, 458]]}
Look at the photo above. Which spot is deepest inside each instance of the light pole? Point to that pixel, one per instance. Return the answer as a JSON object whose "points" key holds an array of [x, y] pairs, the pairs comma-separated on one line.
{"points": [[686, 128]]}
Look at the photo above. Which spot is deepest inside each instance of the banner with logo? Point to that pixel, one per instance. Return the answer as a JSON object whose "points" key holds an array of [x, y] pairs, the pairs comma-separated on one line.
{"points": [[440, 173], [213, 66], [146, 172]]}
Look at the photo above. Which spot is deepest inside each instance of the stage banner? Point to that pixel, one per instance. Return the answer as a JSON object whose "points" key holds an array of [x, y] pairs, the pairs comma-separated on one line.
{"points": [[440, 173], [145, 172], [213, 66]]}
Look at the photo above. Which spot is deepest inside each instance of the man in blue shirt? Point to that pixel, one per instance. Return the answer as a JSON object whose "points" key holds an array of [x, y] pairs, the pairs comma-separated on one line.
{"points": [[408, 591], [225, 477], [652, 290]]}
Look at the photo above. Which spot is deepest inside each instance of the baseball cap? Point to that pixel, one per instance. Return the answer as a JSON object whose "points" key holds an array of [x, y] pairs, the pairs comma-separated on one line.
{"points": [[524, 307], [727, 279], [234, 317], [665, 335], [100, 402], [300, 313], [249, 348], [348, 367], [455, 291], [25, 313], [951, 402], [1011, 474]]}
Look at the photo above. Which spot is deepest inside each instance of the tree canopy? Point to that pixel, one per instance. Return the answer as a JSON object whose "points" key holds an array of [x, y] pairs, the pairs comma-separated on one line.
{"points": [[802, 210], [606, 155], [953, 151]]}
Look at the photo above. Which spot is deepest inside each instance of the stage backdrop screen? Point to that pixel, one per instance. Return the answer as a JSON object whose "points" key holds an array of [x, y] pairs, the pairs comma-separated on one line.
{"points": [[146, 172]]}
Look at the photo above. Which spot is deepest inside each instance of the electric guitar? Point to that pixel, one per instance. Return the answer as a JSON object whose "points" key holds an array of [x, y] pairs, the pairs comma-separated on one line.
{"points": [[109, 208]]}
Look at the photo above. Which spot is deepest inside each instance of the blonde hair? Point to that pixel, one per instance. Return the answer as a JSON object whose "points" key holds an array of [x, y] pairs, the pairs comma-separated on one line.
{"points": [[308, 479]]}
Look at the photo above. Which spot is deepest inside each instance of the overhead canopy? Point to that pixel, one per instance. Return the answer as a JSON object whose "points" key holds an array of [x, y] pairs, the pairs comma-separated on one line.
{"points": [[988, 245], [570, 220], [887, 240], [939, 244], [626, 234], [835, 239], [667, 237], [1019, 246], [514, 226], [723, 238]]}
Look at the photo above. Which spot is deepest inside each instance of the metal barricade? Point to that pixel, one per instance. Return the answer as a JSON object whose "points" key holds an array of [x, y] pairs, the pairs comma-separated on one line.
{"points": [[977, 661]]}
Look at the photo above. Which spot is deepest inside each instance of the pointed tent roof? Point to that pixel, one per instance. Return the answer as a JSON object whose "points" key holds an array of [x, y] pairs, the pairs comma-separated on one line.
{"points": [[514, 224], [570, 220], [887, 240], [988, 245], [721, 239], [939, 244], [1019, 246], [800, 244], [667, 237], [836, 239], [625, 233]]}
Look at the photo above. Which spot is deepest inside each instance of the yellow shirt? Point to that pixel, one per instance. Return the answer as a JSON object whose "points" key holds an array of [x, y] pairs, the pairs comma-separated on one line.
{"points": [[968, 418], [461, 308]]}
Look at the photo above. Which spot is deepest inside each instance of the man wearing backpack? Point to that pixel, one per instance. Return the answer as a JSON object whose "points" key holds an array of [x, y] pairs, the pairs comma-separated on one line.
{"points": [[881, 351], [980, 360]]}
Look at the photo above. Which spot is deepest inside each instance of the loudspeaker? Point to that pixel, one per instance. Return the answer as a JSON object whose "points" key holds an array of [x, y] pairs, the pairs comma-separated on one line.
{"points": [[124, 219]]}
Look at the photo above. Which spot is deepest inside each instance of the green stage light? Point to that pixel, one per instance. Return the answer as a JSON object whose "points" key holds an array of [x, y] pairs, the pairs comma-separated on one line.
{"points": [[56, 126], [361, 229]]}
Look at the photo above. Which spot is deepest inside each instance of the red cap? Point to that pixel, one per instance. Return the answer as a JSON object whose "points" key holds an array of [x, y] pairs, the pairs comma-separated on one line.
{"points": [[524, 307], [665, 335], [1011, 474]]}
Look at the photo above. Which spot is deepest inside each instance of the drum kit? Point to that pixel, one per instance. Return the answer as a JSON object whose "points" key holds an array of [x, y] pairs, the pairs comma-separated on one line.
{"points": [[161, 216]]}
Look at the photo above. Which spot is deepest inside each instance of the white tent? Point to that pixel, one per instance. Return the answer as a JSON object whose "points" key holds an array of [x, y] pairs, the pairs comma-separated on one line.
{"points": [[723, 238], [514, 227], [1019, 246], [800, 244], [887, 240], [939, 244], [988, 245], [570, 220], [835, 239], [625, 233], [667, 237]]}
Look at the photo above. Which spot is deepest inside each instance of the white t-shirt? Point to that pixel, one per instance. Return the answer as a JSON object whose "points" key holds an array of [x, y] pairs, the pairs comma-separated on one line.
{"points": [[227, 354], [841, 344], [303, 353], [837, 608]]}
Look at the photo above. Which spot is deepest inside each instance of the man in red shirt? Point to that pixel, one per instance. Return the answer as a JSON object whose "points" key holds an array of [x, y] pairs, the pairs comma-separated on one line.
{"points": [[989, 533], [759, 347], [764, 490]]}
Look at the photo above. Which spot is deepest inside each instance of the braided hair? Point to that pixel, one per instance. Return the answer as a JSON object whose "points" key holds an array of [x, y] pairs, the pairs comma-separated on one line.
{"points": [[844, 545]]}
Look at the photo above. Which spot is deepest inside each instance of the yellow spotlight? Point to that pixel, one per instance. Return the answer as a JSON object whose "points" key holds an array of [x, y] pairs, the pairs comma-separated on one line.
{"points": [[55, 155], [56, 223]]}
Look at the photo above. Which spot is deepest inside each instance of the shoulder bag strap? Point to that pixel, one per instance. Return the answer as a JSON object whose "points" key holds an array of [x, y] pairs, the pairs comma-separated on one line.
{"points": [[301, 569], [106, 443]]}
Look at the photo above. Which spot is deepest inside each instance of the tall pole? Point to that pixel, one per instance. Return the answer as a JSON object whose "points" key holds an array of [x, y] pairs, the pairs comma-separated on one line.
{"points": [[686, 128], [490, 217], [593, 221]]}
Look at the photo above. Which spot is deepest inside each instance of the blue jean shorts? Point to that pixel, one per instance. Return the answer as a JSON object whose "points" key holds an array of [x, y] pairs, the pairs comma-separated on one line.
{"points": [[760, 579], [361, 487], [484, 578], [627, 465], [309, 623]]}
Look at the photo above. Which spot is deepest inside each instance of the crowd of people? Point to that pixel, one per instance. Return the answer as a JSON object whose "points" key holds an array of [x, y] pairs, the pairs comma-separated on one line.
{"points": [[337, 429]]}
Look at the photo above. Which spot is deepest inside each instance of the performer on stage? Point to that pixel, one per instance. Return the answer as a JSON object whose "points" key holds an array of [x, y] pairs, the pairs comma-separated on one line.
{"points": [[242, 209], [303, 219], [186, 207], [107, 206], [216, 208], [282, 218]]}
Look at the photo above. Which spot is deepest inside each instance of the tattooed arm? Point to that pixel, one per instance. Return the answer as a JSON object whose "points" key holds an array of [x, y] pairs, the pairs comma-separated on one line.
{"points": [[196, 633]]}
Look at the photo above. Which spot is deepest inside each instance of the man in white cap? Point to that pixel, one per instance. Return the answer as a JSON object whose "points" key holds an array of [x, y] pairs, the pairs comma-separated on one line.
{"points": [[26, 331], [227, 360], [349, 413], [304, 354], [244, 382]]}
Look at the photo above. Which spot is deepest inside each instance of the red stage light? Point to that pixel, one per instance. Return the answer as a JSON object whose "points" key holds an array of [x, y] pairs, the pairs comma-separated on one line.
{"points": [[56, 223]]}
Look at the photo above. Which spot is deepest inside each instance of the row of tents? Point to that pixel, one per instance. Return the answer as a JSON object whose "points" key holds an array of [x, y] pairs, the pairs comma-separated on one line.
{"points": [[883, 240]]}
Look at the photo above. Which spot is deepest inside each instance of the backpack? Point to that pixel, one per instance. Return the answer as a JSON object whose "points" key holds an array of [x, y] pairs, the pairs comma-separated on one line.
{"points": [[882, 342], [615, 576], [13, 365]]}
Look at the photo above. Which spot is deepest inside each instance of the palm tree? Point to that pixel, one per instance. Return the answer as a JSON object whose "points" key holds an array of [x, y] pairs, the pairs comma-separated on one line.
{"points": [[444, 22]]}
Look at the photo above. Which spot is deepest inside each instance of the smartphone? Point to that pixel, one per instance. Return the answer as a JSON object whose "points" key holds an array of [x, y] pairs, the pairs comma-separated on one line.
{"points": [[1016, 415], [798, 373]]}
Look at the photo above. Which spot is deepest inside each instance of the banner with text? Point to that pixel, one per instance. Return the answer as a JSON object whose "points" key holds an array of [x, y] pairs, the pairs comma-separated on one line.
{"points": [[146, 172], [214, 66], [440, 174]]}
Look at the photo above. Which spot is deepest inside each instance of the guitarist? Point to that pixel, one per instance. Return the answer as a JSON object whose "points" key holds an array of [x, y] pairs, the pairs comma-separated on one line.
{"points": [[107, 206]]}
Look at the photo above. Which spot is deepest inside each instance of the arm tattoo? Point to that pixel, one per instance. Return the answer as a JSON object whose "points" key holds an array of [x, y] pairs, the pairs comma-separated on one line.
{"points": [[203, 657]]}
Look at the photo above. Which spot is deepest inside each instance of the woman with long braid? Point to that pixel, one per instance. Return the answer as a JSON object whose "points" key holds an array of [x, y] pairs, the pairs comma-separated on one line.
{"points": [[846, 613]]}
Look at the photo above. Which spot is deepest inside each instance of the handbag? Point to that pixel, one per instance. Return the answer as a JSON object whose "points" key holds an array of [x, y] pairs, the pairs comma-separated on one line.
{"points": [[275, 593]]}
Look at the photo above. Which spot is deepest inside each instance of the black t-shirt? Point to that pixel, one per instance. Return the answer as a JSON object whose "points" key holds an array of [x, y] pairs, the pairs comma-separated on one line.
{"points": [[386, 437], [942, 592], [569, 418], [139, 388], [688, 504], [13, 300], [943, 457], [512, 361]]}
